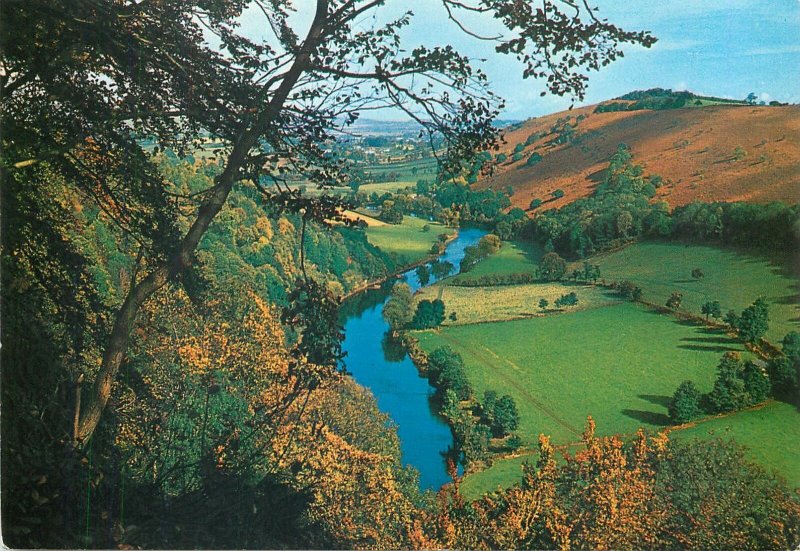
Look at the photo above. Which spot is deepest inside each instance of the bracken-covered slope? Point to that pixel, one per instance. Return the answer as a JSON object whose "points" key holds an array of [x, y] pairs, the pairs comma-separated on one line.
{"points": [[710, 153]]}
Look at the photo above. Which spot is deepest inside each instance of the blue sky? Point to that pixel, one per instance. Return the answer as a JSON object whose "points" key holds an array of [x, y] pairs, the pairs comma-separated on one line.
{"points": [[725, 48]]}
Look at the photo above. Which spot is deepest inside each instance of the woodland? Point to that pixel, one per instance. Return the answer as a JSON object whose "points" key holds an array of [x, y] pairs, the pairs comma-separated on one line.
{"points": [[172, 369]]}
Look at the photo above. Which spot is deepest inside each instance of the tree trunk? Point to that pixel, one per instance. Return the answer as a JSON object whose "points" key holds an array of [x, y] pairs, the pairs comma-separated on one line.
{"points": [[126, 317]]}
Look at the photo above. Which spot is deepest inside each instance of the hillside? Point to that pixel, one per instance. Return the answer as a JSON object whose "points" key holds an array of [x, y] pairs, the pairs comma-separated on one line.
{"points": [[709, 153]]}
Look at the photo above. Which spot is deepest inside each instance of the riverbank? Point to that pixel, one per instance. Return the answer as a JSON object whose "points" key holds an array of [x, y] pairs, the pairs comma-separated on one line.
{"points": [[398, 272]]}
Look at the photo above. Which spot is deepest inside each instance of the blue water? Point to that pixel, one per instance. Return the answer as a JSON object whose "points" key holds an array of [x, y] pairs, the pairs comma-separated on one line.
{"points": [[387, 370]]}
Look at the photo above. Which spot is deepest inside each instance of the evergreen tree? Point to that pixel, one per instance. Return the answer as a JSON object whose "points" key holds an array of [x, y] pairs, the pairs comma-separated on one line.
{"points": [[685, 404], [756, 383], [753, 322], [729, 393]]}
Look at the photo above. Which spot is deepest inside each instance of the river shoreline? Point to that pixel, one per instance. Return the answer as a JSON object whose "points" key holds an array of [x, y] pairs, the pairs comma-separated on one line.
{"points": [[396, 273]]}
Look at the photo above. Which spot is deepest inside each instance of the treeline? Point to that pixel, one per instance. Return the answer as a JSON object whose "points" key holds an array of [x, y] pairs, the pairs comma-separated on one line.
{"points": [[473, 423], [646, 493], [227, 405], [658, 99], [248, 237], [620, 210]]}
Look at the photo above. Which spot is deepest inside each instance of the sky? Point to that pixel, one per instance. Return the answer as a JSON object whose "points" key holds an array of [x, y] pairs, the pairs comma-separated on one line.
{"points": [[725, 48]]}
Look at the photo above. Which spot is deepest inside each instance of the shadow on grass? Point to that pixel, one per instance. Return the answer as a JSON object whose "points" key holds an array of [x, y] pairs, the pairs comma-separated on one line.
{"points": [[702, 348], [711, 340], [649, 417], [657, 399]]}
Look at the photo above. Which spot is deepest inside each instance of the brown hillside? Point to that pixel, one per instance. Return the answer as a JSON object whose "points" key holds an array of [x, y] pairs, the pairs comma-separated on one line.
{"points": [[692, 149]]}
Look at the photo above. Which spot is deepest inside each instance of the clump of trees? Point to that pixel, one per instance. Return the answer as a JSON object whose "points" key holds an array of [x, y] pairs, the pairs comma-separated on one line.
{"points": [[628, 289], [428, 315], [499, 413], [399, 309], [487, 245], [739, 384], [568, 299], [445, 370]]}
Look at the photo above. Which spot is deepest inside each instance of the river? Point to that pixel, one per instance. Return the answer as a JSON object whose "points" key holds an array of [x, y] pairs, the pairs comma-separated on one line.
{"points": [[387, 370]]}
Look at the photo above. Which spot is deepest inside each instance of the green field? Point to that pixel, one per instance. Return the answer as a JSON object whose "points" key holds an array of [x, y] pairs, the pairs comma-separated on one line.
{"points": [[734, 278], [771, 435], [619, 363], [512, 258], [507, 302], [406, 242]]}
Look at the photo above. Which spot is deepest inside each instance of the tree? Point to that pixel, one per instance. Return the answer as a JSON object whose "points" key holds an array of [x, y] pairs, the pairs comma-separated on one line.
{"points": [[506, 416], [543, 303], [423, 274], [754, 321], [429, 314], [751, 98], [711, 308], [91, 89], [533, 160], [697, 273], [552, 267], [784, 371], [732, 319], [398, 310], [558, 194], [569, 299], [535, 204], [685, 403], [441, 268], [729, 392], [756, 382], [674, 301], [446, 371]]}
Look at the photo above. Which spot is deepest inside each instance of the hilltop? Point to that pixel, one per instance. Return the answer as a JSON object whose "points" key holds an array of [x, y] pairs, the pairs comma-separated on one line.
{"points": [[705, 150]]}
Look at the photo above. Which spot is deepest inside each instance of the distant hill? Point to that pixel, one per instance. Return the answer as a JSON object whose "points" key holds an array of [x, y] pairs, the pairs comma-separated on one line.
{"points": [[705, 149]]}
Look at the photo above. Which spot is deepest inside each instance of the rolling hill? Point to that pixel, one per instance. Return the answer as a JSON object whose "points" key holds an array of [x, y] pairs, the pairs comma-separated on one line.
{"points": [[714, 152]]}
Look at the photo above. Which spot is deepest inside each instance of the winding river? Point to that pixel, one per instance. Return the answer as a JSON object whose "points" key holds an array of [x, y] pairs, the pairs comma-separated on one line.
{"points": [[387, 370]]}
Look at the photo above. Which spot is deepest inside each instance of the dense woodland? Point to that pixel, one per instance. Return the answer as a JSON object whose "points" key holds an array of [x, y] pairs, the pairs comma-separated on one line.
{"points": [[171, 353]]}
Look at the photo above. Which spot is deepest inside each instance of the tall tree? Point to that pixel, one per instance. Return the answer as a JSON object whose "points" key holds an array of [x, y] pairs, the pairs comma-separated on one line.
{"points": [[754, 321], [399, 308], [86, 82]]}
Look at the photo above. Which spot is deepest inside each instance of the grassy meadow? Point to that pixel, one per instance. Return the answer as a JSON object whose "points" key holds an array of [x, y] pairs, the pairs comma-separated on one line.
{"points": [[734, 278], [770, 433], [508, 302], [620, 364], [407, 242], [512, 258]]}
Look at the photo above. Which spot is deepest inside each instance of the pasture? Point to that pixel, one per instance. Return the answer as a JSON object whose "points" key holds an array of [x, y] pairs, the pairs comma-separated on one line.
{"points": [[407, 243], [770, 433], [512, 258], [734, 278], [620, 364], [508, 302]]}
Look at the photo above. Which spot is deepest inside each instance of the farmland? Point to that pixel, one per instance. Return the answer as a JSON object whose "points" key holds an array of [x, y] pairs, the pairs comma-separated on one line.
{"points": [[407, 242], [508, 302], [619, 363], [513, 258], [734, 278], [769, 434]]}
